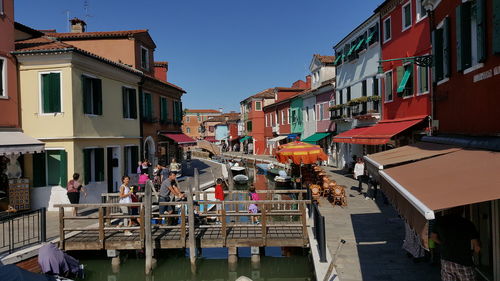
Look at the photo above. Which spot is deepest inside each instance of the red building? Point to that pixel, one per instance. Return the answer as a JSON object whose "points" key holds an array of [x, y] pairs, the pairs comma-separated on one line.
{"points": [[407, 89], [467, 67], [277, 116]]}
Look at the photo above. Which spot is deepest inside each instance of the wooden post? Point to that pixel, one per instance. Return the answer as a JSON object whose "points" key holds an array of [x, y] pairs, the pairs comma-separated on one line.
{"points": [[213, 175], [230, 177], [302, 208], [183, 224], [101, 227], [147, 226], [143, 219], [192, 243], [61, 228], [263, 221], [224, 223]]}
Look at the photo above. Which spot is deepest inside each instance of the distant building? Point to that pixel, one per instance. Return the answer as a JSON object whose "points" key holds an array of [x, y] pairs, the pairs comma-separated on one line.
{"points": [[192, 121]]}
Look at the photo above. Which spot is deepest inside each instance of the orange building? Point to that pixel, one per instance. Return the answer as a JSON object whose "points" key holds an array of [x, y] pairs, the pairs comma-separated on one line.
{"points": [[192, 121], [160, 101]]}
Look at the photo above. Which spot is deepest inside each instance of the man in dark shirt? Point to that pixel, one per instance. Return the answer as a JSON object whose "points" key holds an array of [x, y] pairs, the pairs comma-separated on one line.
{"points": [[458, 239]]}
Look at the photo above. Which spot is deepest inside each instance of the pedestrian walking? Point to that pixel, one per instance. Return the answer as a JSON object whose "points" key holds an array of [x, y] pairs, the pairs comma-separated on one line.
{"points": [[252, 208], [359, 174], [459, 240], [74, 187], [125, 193], [175, 167]]}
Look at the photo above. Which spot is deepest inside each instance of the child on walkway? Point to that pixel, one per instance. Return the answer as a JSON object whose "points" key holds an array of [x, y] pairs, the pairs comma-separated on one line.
{"points": [[252, 208], [219, 196]]}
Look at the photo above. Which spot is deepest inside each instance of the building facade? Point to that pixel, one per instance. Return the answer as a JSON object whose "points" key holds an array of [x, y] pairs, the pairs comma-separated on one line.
{"points": [[357, 86], [85, 109], [192, 121]]}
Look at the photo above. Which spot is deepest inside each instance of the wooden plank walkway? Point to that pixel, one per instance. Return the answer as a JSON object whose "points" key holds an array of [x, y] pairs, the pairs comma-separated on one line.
{"points": [[282, 223]]}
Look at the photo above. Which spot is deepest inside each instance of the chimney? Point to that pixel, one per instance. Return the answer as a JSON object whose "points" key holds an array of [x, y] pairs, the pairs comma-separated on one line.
{"points": [[77, 25], [308, 81], [161, 69]]}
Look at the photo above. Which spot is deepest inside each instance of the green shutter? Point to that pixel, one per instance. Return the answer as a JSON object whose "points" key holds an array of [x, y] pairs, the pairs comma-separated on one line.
{"points": [[399, 74], [46, 93], [359, 44], [99, 164], [351, 49], [132, 95], [63, 168], [55, 92], [446, 48], [87, 165], [481, 29], [496, 26], [463, 34], [337, 59], [54, 167], [458, 34], [86, 92], [97, 96], [180, 111], [148, 106], [437, 50], [404, 80], [39, 170], [125, 103]]}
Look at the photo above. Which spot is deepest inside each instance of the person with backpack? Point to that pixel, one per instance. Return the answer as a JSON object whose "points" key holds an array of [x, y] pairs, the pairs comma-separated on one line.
{"points": [[252, 208], [74, 187]]}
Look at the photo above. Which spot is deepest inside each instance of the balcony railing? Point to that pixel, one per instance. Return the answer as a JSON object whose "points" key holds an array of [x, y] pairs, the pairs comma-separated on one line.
{"points": [[364, 108]]}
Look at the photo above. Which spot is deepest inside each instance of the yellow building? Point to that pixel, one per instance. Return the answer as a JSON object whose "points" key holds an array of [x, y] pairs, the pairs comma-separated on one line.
{"points": [[85, 108]]}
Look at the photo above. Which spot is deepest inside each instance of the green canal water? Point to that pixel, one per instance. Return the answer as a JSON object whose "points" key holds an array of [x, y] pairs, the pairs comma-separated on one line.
{"points": [[275, 264]]}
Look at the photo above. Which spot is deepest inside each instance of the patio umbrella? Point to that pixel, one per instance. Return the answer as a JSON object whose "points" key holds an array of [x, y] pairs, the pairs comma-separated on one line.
{"points": [[300, 153]]}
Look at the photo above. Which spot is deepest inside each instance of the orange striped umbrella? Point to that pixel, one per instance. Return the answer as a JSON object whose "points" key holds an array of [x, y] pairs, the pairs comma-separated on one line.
{"points": [[300, 152]]}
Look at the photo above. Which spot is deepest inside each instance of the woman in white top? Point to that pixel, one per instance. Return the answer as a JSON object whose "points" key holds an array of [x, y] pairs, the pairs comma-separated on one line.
{"points": [[359, 173], [125, 192]]}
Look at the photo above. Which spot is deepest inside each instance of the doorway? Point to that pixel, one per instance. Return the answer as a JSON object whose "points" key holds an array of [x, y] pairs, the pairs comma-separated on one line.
{"points": [[113, 168]]}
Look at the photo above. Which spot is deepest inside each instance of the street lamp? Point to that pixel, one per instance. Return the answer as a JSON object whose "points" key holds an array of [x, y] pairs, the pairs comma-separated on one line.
{"points": [[423, 61]]}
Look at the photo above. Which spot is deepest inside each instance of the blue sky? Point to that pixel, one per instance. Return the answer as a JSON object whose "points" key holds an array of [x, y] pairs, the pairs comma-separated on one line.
{"points": [[219, 51]]}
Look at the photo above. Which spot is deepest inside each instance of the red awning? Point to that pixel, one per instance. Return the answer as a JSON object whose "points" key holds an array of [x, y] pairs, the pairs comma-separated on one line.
{"points": [[348, 136], [179, 138], [210, 139], [381, 133]]}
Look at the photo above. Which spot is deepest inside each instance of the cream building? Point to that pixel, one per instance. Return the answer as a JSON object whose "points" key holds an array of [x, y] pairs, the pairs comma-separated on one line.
{"points": [[85, 108]]}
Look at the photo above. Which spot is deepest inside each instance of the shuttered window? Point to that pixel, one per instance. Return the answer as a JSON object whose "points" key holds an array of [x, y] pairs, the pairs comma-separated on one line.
{"points": [[164, 110], [388, 86], [51, 92], [3, 76], [147, 112], [129, 101], [93, 164], [496, 26], [50, 168], [131, 159], [92, 95], [387, 29], [441, 51]]}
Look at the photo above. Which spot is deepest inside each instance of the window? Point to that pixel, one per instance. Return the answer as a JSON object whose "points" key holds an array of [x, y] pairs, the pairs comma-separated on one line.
{"points": [[188, 130], [373, 35], [276, 121], [387, 29], [258, 105], [289, 116], [423, 80], [388, 86], [348, 99], [249, 126], [51, 92], [199, 129], [265, 116], [147, 107], [92, 95], [131, 159], [177, 109], [406, 14], [129, 100], [441, 50], [3, 72], [50, 168], [93, 164], [306, 115], [321, 111], [375, 90], [470, 34], [164, 110], [144, 58], [188, 119], [199, 118], [313, 113], [282, 117], [2, 12], [405, 80], [364, 90], [421, 11]]}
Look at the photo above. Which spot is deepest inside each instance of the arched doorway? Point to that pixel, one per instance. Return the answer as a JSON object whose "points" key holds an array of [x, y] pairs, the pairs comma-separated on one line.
{"points": [[149, 150]]}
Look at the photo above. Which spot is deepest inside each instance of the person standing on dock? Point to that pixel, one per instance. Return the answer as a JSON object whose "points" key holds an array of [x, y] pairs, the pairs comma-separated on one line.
{"points": [[219, 196], [125, 193]]}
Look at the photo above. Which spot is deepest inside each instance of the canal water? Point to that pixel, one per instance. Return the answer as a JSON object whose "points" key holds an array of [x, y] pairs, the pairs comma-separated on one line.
{"points": [[275, 264]]}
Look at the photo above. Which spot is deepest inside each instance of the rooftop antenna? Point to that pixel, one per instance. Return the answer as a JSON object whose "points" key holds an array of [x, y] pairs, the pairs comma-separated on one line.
{"points": [[86, 11], [68, 26]]}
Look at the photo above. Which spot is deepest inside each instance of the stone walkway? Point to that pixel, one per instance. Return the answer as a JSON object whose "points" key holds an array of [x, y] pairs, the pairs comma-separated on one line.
{"points": [[374, 234]]}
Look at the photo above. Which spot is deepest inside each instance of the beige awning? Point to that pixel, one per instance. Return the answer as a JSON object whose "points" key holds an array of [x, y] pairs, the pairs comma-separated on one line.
{"points": [[19, 143], [459, 178], [404, 154], [276, 139]]}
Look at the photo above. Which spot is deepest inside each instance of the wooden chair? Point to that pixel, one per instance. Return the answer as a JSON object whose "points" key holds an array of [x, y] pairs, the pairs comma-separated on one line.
{"points": [[315, 192], [338, 196]]}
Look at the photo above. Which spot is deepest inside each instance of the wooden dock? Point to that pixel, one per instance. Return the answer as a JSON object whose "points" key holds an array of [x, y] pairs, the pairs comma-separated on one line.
{"points": [[282, 223]]}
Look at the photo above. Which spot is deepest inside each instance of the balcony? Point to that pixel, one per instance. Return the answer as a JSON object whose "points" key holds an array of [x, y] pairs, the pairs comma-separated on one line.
{"points": [[365, 109], [359, 108]]}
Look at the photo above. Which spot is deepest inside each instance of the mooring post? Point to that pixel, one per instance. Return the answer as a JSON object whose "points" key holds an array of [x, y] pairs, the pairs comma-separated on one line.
{"points": [[192, 242], [230, 177], [147, 226]]}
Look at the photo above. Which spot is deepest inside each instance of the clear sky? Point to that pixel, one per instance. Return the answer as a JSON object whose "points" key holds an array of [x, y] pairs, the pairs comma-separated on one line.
{"points": [[219, 51]]}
